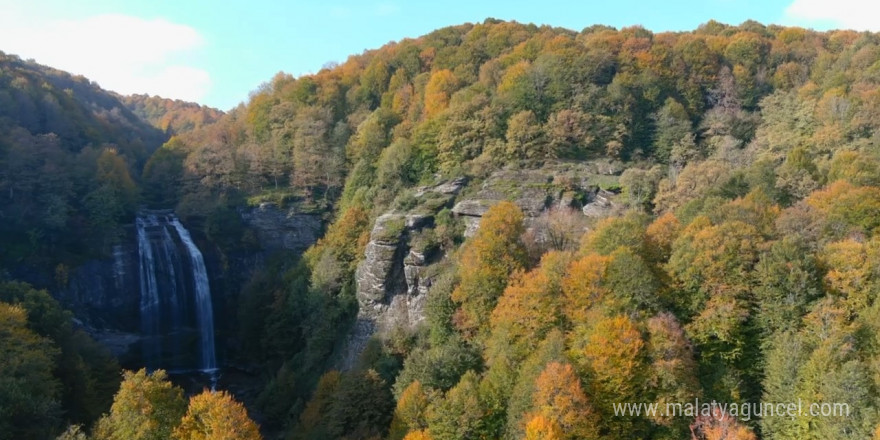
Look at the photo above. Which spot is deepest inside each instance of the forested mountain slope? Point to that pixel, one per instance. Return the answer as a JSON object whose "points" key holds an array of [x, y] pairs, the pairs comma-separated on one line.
{"points": [[593, 217], [738, 265], [171, 115], [70, 157]]}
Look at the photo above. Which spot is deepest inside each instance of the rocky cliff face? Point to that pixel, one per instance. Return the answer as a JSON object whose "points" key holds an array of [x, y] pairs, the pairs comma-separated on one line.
{"points": [[278, 228], [392, 288], [536, 191], [105, 294]]}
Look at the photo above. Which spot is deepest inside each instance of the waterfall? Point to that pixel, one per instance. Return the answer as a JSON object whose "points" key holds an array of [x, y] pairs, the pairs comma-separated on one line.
{"points": [[173, 276], [149, 293], [204, 308]]}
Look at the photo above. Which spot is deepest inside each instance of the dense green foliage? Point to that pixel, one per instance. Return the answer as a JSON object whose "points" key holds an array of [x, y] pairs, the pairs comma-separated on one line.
{"points": [[70, 157], [51, 373]]}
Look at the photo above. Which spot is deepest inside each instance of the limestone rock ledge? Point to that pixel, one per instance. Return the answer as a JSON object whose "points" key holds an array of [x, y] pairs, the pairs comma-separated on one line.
{"points": [[278, 228]]}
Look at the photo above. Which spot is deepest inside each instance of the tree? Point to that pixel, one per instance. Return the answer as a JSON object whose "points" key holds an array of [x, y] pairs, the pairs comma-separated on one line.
{"points": [[559, 228], [615, 232], [672, 369], [786, 353], [632, 283], [720, 426], [542, 428], [640, 186], [418, 435], [788, 281], [827, 357], [113, 172], [613, 356], [147, 407], [520, 403], [439, 367], [584, 287], [572, 133], [525, 138], [852, 272], [438, 90], [559, 398], [659, 237], [361, 407], [315, 162], [311, 419], [84, 371], [529, 307], [798, 176], [73, 432], [409, 415], [28, 391], [163, 174], [487, 261], [673, 126], [471, 126], [610, 353], [459, 413], [856, 168], [707, 258], [846, 208], [216, 416], [695, 181]]}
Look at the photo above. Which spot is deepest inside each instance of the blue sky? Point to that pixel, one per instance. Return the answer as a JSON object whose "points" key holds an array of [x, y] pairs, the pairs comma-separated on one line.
{"points": [[216, 52]]}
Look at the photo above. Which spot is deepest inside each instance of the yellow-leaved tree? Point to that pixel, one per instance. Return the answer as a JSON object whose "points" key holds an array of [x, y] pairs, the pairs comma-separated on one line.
{"points": [[487, 261], [215, 415], [147, 407]]}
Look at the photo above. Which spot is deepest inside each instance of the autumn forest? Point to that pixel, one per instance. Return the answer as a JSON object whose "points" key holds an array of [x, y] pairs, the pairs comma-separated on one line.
{"points": [[492, 231]]}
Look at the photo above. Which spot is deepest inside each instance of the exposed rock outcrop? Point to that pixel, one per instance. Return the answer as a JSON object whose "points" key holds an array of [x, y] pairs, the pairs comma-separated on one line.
{"points": [[391, 293], [534, 191], [471, 211], [392, 288], [600, 204], [380, 275], [105, 294], [278, 228]]}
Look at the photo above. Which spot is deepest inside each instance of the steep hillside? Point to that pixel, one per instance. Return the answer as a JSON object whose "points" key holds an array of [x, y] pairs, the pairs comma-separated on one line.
{"points": [[70, 157], [172, 116], [713, 145], [520, 228]]}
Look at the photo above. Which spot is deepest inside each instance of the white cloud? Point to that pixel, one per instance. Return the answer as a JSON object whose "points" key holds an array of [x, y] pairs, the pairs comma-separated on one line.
{"points": [[828, 14], [120, 52]]}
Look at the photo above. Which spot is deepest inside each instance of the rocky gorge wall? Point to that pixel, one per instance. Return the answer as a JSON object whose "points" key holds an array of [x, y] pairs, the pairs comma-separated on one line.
{"points": [[393, 279], [104, 294]]}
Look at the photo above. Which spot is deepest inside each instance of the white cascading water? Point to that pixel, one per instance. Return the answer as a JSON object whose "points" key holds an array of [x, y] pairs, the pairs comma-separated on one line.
{"points": [[204, 308], [164, 305], [149, 291]]}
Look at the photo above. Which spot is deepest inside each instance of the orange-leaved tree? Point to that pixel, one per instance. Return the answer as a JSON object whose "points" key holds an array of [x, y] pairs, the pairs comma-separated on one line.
{"points": [[487, 261], [559, 398]]}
